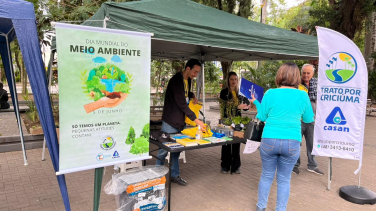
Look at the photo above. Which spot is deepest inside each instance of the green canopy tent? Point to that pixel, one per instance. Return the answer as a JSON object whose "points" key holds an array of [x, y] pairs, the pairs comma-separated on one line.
{"points": [[184, 29]]}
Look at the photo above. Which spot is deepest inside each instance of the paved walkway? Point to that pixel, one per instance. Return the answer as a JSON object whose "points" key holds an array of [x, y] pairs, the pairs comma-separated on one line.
{"points": [[34, 187], [9, 125]]}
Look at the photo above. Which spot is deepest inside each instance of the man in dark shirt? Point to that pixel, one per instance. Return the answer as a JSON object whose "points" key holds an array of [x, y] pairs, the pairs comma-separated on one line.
{"points": [[3, 97], [178, 95]]}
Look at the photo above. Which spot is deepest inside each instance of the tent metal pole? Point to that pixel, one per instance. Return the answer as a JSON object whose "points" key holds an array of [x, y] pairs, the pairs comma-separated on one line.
{"points": [[16, 101], [360, 173], [49, 92], [203, 86], [330, 173]]}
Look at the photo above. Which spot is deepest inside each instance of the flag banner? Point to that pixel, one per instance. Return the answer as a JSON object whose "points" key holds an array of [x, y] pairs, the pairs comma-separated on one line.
{"points": [[248, 88], [104, 96], [341, 97]]}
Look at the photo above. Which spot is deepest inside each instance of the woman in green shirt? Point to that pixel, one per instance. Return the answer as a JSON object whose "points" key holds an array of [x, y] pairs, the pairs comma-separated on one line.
{"points": [[282, 110]]}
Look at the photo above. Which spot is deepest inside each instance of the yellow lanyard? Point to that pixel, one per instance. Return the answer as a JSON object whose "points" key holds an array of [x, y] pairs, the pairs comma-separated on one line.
{"points": [[235, 97], [186, 88]]}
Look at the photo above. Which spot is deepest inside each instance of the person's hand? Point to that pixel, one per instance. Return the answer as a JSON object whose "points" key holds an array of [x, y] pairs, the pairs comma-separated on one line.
{"points": [[253, 98], [115, 102], [243, 106], [195, 100], [201, 124]]}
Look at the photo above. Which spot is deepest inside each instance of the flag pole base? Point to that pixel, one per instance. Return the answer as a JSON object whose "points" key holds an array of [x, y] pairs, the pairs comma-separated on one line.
{"points": [[357, 195]]}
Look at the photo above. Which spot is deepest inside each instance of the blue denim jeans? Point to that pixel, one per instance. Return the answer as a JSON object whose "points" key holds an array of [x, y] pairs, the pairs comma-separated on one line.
{"points": [[277, 155], [174, 156]]}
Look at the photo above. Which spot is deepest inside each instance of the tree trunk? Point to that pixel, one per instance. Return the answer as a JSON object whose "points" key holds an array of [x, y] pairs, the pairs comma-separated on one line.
{"points": [[220, 4], [16, 57], [264, 12], [24, 79], [226, 67], [369, 45]]}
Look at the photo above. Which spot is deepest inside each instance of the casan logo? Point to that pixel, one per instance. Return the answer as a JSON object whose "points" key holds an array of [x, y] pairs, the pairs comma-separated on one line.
{"points": [[336, 117], [116, 155], [341, 67]]}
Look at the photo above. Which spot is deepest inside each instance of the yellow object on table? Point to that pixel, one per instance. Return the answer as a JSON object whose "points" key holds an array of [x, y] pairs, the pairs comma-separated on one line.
{"points": [[192, 132], [195, 108], [187, 142], [202, 142]]}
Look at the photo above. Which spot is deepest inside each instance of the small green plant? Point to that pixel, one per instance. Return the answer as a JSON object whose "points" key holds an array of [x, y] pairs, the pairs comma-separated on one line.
{"points": [[245, 120], [237, 120], [227, 108], [32, 113], [227, 121]]}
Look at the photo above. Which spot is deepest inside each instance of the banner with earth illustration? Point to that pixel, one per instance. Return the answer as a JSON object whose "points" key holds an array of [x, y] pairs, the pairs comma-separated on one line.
{"points": [[104, 96], [341, 97]]}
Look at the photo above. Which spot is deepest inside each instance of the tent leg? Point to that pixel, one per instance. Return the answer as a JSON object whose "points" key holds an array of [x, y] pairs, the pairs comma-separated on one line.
{"points": [[97, 187], [44, 149], [330, 173], [203, 88], [49, 92], [14, 90]]}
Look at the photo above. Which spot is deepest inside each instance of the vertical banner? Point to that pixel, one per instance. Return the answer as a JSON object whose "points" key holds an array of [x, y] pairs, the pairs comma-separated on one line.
{"points": [[341, 97], [104, 96]]}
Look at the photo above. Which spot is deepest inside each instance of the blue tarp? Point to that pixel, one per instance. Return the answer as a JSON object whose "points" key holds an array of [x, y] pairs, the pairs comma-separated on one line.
{"points": [[17, 19]]}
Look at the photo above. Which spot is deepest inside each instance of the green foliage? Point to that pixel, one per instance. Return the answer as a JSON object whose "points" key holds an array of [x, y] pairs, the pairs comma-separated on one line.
{"points": [[346, 17], [32, 113], [140, 146], [241, 8], [227, 121], [122, 88], [245, 120], [227, 108], [265, 74], [146, 131], [161, 72], [237, 120], [131, 136], [212, 78]]}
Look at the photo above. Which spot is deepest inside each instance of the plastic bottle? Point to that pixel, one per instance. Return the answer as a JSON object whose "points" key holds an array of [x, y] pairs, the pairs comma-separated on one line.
{"points": [[199, 133]]}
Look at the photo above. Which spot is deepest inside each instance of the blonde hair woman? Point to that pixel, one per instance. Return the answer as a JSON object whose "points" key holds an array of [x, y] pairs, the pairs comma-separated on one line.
{"points": [[230, 154], [282, 109]]}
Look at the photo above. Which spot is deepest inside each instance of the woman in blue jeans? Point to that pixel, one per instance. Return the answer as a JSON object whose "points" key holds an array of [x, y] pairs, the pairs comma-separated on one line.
{"points": [[282, 110]]}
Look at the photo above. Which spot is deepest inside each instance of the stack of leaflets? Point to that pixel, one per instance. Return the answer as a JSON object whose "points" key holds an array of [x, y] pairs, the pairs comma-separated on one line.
{"points": [[215, 140], [187, 142], [227, 138], [179, 136], [173, 145], [202, 142]]}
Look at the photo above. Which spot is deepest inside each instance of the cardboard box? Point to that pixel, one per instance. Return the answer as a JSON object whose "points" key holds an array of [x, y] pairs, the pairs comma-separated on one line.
{"points": [[239, 134]]}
